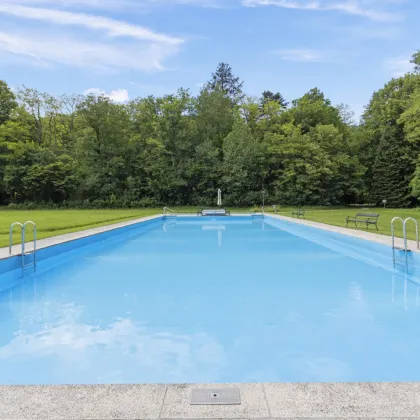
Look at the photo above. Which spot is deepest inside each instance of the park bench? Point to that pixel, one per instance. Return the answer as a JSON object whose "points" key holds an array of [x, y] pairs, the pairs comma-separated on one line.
{"points": [[213, 213], [299, 213], [364, 218]]}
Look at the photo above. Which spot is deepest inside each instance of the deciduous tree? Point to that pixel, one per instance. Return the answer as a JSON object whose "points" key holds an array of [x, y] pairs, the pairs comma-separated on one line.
{"points": [[7, 102]]}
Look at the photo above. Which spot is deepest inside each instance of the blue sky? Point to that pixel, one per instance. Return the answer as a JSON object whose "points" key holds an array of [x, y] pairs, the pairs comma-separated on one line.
{"points": [[130, 48]]}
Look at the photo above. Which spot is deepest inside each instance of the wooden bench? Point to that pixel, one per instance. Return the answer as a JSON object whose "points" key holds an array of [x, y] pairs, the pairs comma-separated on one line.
{"points": [[299, 213], [364, 218], [213, 213]]}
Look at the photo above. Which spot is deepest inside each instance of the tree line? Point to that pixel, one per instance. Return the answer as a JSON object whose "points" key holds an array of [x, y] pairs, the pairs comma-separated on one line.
{"points": [[87, 151]]}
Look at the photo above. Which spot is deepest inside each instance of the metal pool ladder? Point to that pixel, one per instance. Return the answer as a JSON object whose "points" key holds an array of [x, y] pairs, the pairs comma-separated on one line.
{"points": [[23, 253], [405, 249], [167, 211]]}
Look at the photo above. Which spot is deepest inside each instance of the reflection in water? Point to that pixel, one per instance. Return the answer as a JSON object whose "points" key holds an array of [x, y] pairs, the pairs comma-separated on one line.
{"points": [[220, 229], [393, 288], [122, 351], [168, 306], [397, 278], [167, 225]]}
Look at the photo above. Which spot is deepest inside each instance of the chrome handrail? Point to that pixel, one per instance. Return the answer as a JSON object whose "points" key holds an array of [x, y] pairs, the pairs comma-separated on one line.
{"points": [[168, 210], [23, 238], [11, 235], [405, 232], [392, 229], [404, 223]]}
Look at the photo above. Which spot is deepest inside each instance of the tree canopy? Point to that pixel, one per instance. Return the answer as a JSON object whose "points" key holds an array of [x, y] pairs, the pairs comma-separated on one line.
{"points": [[178, 149], [7, 102], [416, 61], [224, 78]]}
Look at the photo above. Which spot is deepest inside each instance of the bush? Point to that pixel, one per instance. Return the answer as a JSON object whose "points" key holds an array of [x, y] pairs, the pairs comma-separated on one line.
{"points": [[31, 205]]}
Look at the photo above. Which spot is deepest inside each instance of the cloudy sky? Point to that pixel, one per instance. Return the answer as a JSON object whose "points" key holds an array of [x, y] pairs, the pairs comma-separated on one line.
{"points": [[130, 48]]}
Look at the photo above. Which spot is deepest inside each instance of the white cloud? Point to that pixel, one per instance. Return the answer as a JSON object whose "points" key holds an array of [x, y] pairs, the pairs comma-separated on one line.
{"points": [[43, 49], [398, 66], [301, 55], [98, 4], [104, 43], [366, 8], [132, 5], [80, 346], [118, 95], [112, 27], [373, 9]]}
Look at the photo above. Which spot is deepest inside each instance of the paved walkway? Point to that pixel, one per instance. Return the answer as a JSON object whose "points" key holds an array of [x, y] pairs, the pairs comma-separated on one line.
{"points": [[258, 401], [361, 234], [55, 240]]}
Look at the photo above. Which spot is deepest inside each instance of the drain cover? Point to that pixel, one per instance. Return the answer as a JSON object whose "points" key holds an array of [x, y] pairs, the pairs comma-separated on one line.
{"points": [[222, 396]]}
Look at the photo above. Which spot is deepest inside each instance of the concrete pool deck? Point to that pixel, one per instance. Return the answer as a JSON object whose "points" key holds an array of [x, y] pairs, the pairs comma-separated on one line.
{"points": [[258, 401], [360, 234], [68, 237]]}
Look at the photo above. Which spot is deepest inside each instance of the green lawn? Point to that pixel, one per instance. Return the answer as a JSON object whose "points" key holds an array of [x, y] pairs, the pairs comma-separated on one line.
{"points": [[57, 222]]}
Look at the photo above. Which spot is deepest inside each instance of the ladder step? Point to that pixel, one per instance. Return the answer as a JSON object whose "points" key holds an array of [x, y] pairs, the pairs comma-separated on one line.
{"points": [[29, 265], [400, 263], [26, 271]]}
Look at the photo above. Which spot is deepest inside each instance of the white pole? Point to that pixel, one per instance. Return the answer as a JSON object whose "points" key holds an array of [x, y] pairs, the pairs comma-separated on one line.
{"points": [[263, 193]]}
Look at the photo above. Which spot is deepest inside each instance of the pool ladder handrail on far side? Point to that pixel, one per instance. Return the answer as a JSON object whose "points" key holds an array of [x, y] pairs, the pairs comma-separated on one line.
{"points": [[404, 223], [167, 210], [23, 253]]}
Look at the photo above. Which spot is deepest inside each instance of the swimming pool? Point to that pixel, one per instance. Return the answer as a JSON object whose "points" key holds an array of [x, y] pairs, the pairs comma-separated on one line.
{"points": [[187, 300]]}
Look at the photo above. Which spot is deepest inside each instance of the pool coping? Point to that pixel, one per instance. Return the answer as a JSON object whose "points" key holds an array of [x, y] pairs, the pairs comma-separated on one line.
{"points": [[258, 401], [360, 234], [72, 236], [69, 237]]}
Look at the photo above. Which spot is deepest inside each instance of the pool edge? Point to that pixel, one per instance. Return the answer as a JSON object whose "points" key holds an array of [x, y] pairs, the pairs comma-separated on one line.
{"points": [[258, 400], [73, 236], [359, 234]]}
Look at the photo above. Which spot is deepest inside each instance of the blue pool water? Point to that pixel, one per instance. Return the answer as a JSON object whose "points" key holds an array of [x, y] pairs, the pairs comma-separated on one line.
{"points": [[211, 300]]}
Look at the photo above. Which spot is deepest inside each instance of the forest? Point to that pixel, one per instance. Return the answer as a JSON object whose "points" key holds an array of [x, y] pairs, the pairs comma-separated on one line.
{"points": [[90, 152]]}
